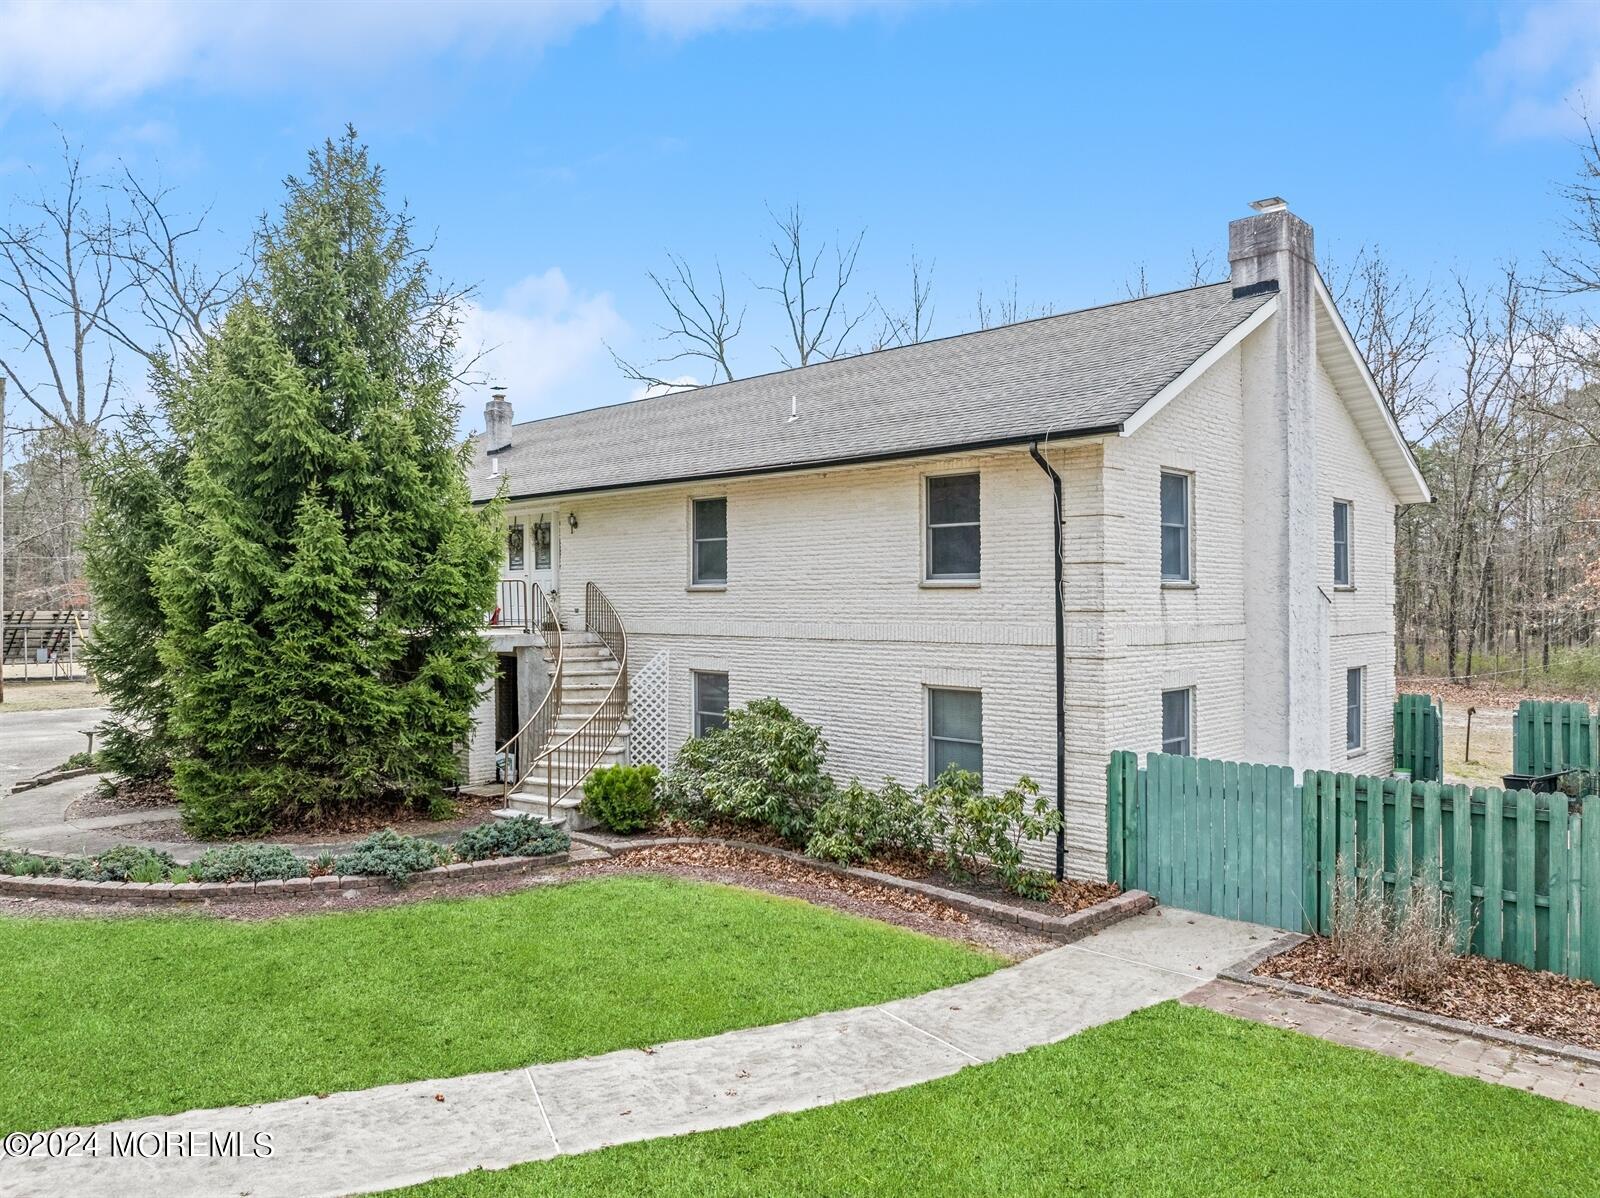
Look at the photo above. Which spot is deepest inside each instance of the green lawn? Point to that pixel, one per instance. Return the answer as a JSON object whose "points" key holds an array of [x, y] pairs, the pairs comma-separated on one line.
{"points": [[105, 1019], [1170, 1101]]}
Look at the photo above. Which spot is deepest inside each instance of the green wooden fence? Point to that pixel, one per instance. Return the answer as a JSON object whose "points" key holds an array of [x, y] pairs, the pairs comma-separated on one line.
{"points": [[1419, 737], [1548, 737], [1215, 836], [1521, 871]]}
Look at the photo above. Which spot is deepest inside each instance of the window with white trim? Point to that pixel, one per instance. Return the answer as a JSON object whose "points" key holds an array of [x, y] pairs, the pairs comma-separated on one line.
{"points": [[954, 548], [710, 549], [710, 701], [1343, 525], [1355, 704], [955, 730], [1177, 722], [1176, 528]]}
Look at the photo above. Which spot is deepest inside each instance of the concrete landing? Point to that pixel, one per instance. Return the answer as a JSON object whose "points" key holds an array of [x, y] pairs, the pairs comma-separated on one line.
{"points": [[397, 1135]]}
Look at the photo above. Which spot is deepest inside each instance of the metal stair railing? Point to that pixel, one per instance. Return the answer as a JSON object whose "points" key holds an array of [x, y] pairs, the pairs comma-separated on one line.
{"points": [[516, 757], [566, 763]]}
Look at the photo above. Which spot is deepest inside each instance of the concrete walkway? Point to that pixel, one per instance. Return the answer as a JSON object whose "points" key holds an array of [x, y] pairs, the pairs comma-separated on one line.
{"points": [[376, 1139]]}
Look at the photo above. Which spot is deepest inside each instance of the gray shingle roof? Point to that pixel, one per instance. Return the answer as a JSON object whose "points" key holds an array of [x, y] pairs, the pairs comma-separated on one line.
{"points": [[1060, 375]]}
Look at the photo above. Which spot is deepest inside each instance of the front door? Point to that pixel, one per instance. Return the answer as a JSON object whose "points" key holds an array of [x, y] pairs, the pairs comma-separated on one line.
{"points": [[542, 551]]}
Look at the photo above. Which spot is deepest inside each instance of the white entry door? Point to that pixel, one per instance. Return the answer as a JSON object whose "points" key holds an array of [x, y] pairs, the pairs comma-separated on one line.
{"points": [[543, 552]]}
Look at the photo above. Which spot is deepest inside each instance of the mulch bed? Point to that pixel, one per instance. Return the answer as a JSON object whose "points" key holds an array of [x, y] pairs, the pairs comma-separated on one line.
{"points": [[127, 796], [1476, 989], [1069, 897]]}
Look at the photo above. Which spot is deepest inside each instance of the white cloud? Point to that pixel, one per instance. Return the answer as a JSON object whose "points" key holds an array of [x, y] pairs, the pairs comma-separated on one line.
{"points": [[102, 51], [546, 343], [1545, 70]]}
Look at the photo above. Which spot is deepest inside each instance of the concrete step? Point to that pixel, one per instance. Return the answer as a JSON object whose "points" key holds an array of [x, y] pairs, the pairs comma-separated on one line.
{"points": [[564, 812]]}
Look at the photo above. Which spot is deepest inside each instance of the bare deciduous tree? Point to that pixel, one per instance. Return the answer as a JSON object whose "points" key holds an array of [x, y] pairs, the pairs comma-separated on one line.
{"points": [[702, 325], [912, 324], [819, 324]]}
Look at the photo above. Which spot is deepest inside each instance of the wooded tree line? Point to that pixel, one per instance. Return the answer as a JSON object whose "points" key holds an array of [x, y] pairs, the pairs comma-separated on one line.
{"points": [[1497, 385]]}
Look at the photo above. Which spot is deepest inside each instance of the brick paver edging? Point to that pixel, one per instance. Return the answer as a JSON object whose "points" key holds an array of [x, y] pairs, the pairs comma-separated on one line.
{"points": [[198, 892], [1065, 928], [1244, 973]]}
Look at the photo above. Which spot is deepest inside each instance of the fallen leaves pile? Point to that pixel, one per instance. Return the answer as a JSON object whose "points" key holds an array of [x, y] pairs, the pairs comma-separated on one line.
{"points": [[1476, 989]]}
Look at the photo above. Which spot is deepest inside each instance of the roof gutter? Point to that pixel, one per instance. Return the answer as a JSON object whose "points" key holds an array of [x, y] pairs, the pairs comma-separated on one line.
{"points": [[1061, 667], [897, 455]]}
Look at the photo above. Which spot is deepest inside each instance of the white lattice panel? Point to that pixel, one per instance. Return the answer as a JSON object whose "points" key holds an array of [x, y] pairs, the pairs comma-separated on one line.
{"points": [[647, 712]]}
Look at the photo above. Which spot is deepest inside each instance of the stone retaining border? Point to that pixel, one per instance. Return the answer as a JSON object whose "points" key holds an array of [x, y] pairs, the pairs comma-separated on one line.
{"points": [[1244, 973], [50, 777], [441, 876], [1065, 928]]}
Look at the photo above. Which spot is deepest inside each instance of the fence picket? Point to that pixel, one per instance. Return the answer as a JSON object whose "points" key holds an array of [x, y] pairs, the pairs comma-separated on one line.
{"points": [[1461, 864], [1526, 943], [1328, 820], [1217, 804], [1404, 850], [1494, 899], [1558, 883], [1589, 911]]}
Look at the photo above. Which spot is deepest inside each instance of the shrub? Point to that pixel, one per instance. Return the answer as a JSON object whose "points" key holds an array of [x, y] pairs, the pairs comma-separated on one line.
{"points": [[622, 797], [855, 824], [978, 827], [765, 767], [391, 855], [520, 836], [120, 864], [1410, 950], [28, 865], [247, 863], [1034, 884]]}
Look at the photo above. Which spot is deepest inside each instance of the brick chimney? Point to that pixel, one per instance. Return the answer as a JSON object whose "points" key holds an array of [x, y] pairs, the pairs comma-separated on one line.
{"points": [[1287, 716], [497, 420]]}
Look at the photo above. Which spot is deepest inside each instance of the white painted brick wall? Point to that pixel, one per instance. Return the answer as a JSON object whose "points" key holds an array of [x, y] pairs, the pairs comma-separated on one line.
{"points": [[1361, 621]]}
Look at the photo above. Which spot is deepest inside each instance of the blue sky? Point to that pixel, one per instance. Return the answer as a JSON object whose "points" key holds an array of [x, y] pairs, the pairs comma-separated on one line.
{"points": [[560, 150]]}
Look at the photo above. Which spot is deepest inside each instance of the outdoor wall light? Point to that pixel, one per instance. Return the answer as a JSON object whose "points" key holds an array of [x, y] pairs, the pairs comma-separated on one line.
{"points": [[572, 521]]}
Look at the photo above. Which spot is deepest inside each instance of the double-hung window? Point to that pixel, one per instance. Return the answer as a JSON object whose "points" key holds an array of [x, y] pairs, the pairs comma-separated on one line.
{"points": [[955, 731], [710, 701], [1177, 722], [1355, 702], [954, 547], [709, 566], [1343, 523], [1176, 530]]}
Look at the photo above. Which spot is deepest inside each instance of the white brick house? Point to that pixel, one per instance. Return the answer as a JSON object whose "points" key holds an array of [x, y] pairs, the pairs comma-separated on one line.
{"points": [[872, 540]]}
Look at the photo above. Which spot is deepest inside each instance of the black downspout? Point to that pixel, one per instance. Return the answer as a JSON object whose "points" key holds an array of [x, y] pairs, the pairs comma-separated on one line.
{"points": [[1061, 670]]}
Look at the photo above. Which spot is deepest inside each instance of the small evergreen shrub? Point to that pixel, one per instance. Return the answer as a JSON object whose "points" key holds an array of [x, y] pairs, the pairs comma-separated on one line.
{"points": [[520, 836], [765, 767], [28, 865], [119, 864], [622, 797], [247, 863], [978, 828], [390, 855], [856, 824]]}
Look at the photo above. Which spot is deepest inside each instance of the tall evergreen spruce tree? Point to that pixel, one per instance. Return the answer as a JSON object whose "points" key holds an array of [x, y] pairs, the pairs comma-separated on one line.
{"points": [[326, 576]]}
